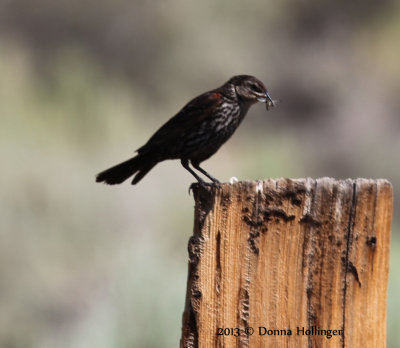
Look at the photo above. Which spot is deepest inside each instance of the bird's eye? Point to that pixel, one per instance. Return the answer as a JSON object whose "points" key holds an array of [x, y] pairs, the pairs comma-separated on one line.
{"points": [[256, 88]]}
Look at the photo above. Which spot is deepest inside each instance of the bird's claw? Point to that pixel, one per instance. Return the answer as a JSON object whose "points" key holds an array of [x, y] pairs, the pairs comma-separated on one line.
{"points": [[192, 186], [204, 185]]}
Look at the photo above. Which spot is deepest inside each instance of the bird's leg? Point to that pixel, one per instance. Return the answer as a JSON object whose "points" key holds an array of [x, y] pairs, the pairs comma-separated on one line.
{"points": [[202, 183], [185, 164], [197, 166]]}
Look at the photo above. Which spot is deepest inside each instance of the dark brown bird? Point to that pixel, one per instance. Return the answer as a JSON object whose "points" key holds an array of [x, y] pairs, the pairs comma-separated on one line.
{"points": [[196, 132]]}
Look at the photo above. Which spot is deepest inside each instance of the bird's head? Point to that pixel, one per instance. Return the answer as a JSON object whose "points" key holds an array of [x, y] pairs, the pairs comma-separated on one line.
{"points": [[251, 90]]}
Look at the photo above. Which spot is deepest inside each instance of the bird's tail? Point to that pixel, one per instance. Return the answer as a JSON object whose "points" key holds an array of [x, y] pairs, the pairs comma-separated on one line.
{"points": [[119, 173]]}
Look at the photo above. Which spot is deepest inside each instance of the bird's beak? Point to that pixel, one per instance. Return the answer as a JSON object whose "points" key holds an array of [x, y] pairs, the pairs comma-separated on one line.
{"points": [[267, 100]]}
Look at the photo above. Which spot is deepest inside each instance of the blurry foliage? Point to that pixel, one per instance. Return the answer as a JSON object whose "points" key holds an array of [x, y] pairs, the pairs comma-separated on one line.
{"points": [[85, 83]]}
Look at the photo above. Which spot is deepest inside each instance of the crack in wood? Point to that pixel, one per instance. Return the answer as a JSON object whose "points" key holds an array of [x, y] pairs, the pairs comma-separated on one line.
{"points": [[353, 270], [290, 254], [349, 237]]}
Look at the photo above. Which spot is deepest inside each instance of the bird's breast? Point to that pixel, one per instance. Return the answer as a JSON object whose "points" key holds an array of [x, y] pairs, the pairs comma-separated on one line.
{"points": [[206, 138], [227, 119]]}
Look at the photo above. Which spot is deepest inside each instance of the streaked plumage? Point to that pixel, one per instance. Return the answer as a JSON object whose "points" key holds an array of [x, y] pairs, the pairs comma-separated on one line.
{"points": [[196, 132]]}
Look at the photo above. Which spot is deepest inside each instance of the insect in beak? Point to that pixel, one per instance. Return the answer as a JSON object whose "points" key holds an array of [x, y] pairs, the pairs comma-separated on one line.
{"points": [[268, 100]]}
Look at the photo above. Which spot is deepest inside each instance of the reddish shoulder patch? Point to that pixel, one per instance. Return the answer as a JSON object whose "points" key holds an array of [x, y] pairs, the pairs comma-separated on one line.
{"points": [[216, 95]]}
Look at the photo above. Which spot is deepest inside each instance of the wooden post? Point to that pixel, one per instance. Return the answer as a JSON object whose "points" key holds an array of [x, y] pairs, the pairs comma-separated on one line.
{"points": [[289, 263]]}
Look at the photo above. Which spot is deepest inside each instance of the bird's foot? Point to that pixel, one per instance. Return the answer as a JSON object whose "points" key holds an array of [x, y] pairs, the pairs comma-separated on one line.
{"points": [[205, 185], [215, 184], [192, 186]]}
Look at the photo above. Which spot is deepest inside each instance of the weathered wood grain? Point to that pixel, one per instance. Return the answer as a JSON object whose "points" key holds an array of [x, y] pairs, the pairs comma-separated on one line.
{"points": [[289, 255]]}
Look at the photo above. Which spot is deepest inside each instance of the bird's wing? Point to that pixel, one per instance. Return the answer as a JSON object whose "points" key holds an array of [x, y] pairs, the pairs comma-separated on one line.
{"points": [[190, 117]]}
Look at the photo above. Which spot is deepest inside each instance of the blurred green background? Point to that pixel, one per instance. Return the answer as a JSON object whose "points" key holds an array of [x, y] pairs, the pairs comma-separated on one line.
{"points": [[85, 83]]}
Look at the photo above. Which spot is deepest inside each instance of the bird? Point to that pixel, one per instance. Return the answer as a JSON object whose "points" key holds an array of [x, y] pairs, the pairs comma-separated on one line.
{"points": [[196, 132]]}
